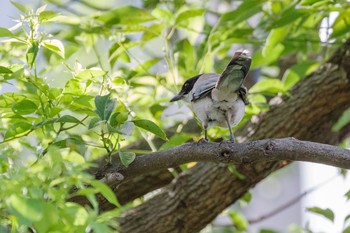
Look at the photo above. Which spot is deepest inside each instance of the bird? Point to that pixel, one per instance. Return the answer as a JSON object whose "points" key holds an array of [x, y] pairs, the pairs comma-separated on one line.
{"points": [[219, 99]]}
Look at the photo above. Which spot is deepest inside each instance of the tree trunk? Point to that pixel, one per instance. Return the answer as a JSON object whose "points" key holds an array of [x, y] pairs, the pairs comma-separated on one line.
{"points": [[198, 195]]}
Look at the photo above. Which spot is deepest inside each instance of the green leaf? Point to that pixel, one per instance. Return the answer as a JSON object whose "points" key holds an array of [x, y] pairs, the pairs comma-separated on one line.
{"points": [[125, 15], [20, 7], [24, 107], [104, 106], [4, 32], [126, 157], [91, 73], [151, 127], [341, 24], [343, 120], [247, 197], [327, 213], [297, 72], [47, 15], [55, 46], [245, 10], [289, 16], [99, 227], [185, 15], [105, 191], [259, 59], [274, 38], [4, 70], [17, 129], [69, 119], [94, 122], [127, 128], [234, 171], [268, 86], [31, 54], [176, 140], [29, 210]]}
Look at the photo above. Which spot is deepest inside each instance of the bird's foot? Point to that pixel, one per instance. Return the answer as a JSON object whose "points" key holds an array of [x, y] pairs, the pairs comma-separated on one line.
{"points": [[203, 140]]}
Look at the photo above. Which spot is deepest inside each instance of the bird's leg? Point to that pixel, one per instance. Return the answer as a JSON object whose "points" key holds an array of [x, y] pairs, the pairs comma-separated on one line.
{"points": [[232, 137], [205, 139]]}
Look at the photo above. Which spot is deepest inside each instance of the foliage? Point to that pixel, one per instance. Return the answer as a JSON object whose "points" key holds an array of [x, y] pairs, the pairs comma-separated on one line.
{"points": [[91, 79]]}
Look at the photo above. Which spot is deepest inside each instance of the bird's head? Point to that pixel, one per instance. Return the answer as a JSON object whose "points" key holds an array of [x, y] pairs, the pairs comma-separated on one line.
{"points": [[186, 88]]}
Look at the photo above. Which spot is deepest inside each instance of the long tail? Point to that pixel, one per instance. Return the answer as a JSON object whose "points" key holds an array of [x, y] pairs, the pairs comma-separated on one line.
{"points": [[233, 76]]}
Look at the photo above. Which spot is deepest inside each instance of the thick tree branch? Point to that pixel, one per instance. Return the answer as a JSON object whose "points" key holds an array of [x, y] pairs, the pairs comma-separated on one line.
{"points": [[227, 152]]}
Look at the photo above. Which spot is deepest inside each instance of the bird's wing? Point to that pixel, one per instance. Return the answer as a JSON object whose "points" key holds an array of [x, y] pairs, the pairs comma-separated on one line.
{"points": [[204, 85], [235, 72]]}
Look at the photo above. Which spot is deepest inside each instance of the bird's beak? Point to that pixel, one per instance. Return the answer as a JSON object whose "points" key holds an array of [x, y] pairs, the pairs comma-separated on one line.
{"points": [[177, 97]]}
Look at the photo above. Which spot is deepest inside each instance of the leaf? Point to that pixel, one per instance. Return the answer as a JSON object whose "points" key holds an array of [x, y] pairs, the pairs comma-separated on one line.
{"points": [[234, 171], [24, 107], [17, 129], [245, 10], [69, 119], [185, 15], [104, 106], [55, 46], [125, 15], [268, 86], [91, 73], [4, 32], [29, 210], [4, 70], [105, 191], [176, 140], [274, 38], [327, 213], [343, 120], [151, 127], [247, 197], [20, 7], [341, 24], [259, 59], [94, 122], [126, 157], [47, 15], [31, 53], [289, 16], [127, 128]]}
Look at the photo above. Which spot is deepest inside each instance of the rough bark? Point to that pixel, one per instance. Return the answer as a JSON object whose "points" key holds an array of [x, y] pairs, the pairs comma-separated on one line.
{"points": [[194, 198]]}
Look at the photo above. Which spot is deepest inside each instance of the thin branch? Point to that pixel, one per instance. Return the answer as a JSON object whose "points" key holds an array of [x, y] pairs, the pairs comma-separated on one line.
{"points": [[244, 153]]}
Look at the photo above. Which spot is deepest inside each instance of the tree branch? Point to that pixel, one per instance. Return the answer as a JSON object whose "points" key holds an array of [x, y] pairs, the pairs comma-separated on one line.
{"points": [[256, 151]]}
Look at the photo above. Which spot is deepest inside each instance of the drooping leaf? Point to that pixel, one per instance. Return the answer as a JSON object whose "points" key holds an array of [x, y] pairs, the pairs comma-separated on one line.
{"points": [[151, 127], [126, 157], [31, 54], [105, 191], [104, 106], [327, 213]]}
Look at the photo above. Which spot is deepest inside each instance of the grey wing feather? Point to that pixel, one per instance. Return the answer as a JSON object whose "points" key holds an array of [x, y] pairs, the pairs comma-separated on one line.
{"points": [[204, 86]]}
